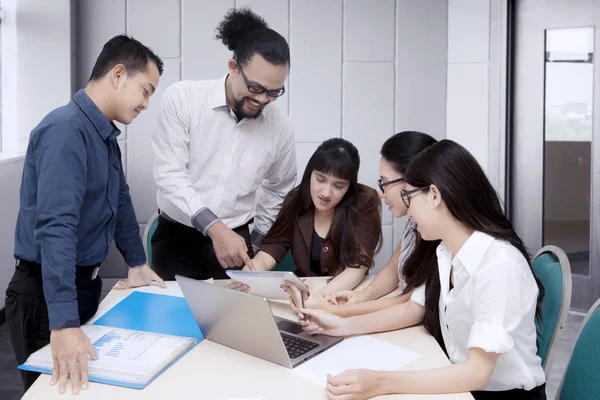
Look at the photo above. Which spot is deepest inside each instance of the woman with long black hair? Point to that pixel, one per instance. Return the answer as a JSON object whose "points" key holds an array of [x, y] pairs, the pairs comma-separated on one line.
{"points": [[481, 299], [331, 223]]}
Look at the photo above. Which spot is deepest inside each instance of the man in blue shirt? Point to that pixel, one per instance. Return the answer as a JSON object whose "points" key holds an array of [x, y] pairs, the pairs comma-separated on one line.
{"points": [[74, 202]]}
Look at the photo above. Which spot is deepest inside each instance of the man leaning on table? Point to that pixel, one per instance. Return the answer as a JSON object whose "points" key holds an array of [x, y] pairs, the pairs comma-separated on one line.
{"points": [[74, 201], [215, 144]]}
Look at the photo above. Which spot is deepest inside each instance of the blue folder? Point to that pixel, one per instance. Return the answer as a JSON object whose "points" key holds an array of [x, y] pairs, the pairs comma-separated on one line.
{"points": [[146, 312], [155, 313]]}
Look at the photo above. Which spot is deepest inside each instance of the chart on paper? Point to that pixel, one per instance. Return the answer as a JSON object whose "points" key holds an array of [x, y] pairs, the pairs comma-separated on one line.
{"points": [[125, 345]]}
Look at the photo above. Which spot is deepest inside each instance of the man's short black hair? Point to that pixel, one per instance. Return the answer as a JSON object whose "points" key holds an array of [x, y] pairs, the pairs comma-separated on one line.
{"points": [[123, 49]]}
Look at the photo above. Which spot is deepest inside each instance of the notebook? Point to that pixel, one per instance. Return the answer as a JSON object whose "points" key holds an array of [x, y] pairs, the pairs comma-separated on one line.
{"points": [[136, 340]]}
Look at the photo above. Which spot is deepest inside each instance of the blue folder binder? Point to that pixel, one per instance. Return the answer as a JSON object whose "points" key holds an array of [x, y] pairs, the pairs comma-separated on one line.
{"points": [[155, 313], [146, 312]]}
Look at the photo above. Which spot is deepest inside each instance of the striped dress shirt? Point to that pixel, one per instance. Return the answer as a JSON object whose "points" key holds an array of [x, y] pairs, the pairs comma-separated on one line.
{"points": [[209, 167]]}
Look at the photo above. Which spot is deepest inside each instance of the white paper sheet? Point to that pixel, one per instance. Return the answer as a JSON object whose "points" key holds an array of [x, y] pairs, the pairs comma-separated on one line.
{"points": [[361, 352], [171, 290]]}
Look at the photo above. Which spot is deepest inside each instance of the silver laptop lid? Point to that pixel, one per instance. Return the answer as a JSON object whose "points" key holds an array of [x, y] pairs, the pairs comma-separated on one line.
{"points": [[235, 319]]}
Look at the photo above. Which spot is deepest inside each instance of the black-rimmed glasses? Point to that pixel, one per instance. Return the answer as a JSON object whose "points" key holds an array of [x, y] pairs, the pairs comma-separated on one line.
{"points": [[383, 184], [259, 89], [405, 194]]}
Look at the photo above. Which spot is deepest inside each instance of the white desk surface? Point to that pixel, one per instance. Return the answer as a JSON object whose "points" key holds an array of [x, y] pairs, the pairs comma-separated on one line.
{"points": [[212, 371]]}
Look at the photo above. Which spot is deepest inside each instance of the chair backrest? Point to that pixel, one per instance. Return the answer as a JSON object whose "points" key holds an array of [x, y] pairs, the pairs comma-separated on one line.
{"points": [[286, 264], [581, 380], [147, 239], [552, 268]]}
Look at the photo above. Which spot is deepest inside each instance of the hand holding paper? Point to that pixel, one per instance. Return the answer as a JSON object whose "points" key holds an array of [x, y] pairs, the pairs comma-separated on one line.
{"points": [[357, 383]]}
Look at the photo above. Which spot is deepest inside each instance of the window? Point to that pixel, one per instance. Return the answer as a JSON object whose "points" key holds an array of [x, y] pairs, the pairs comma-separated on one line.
{"points": [[20, 69], [0, 80]]}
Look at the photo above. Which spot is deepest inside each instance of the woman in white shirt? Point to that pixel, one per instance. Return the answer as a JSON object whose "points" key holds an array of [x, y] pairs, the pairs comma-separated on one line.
{"points": [[481, 298], [396, 153]]}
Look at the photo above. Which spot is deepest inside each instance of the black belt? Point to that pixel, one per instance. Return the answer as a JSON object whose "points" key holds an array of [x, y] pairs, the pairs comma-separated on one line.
{"points": [[81, 272]]}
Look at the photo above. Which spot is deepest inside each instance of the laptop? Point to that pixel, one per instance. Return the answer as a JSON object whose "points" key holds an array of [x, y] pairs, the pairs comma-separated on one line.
{"points": [[246, 323]]}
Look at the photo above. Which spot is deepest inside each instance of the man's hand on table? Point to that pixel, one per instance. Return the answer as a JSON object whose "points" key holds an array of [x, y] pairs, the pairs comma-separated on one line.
{"points": [[138, 276], [70, 349]]}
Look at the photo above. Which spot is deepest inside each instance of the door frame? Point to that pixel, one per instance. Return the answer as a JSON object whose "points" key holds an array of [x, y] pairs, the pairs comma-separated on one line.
{"points": [[526, 113]]}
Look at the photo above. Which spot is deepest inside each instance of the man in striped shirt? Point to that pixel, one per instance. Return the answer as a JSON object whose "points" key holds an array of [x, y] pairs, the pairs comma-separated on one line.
{"points": [[215, 144]]}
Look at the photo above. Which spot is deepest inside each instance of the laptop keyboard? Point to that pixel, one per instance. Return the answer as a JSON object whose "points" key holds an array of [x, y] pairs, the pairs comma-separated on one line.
{"points": [[296, 346]]}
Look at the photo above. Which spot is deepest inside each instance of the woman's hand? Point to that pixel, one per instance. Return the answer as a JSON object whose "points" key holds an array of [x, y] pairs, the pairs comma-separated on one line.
{"points": [[350, 296], [322, 322], [313, 299], [353, 384]]}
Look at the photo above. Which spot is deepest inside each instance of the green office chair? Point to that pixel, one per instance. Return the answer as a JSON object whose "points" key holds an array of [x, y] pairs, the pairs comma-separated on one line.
{"points": [[287, 264], [552, 268], [147, 239], [581, 380]]}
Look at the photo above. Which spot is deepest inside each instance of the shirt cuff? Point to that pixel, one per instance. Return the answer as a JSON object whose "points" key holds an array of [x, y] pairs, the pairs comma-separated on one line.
{"points": [[63, 314], [256, 237], [418, 295], [490, 337], [204, 219], [137, 260]]}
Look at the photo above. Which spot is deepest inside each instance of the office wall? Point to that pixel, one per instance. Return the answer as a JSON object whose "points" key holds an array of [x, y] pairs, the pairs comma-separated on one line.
{"points": [[361, 69], [10, 182], [468, 75], [476, 116]]}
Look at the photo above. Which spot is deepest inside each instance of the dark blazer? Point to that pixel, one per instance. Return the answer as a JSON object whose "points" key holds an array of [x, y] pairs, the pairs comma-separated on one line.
{"points": [[300, 241]]}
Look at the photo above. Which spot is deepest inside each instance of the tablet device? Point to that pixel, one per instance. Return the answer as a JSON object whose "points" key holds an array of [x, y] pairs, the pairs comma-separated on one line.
{"points": [[268, 283]]}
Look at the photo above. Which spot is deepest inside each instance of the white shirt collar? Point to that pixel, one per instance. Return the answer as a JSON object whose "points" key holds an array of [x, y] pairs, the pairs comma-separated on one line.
{"points": [[218, 97], [471, 253]]}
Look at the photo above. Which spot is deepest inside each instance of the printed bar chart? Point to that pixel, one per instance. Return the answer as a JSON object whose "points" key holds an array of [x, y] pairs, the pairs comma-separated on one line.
{"points": [[130, 347]]}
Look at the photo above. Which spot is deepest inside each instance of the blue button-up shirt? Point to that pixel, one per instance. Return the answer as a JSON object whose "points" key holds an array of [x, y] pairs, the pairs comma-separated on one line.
{"points": [[74, 202]]}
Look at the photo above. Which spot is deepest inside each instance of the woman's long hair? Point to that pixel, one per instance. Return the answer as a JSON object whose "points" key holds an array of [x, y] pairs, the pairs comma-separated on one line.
{"points": [[472, 200], [353, 230], [402, 147]]}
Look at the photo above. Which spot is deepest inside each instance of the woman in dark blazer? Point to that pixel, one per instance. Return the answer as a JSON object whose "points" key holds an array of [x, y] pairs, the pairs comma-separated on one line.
{"points": [[331, 223]]}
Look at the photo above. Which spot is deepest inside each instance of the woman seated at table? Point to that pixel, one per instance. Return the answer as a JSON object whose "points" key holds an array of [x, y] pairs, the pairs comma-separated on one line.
{"points": [[331, 223], [396, 154], [482, 297]]}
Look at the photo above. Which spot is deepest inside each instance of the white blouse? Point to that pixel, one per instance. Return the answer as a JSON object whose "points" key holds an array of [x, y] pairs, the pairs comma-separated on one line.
{"points": [[492, 307], [408, 246], [409, 238]]}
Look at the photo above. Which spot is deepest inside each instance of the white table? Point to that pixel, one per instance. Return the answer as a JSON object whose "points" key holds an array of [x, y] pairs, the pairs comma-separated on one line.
{"points": [[213, 371]]}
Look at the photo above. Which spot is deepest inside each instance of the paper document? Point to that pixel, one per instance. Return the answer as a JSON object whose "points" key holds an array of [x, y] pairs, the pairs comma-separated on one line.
{"points": [[362, 352], [171, 290]]}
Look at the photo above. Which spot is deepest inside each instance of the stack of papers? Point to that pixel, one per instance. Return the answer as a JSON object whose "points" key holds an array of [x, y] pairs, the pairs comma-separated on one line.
{"points": [[125, 357]]}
